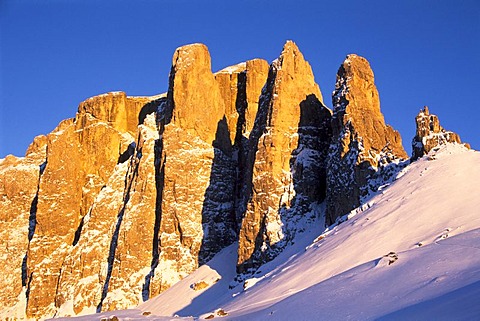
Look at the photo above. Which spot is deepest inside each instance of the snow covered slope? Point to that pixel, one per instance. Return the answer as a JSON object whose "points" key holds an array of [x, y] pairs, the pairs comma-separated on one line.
{"points": [[413, 254]]}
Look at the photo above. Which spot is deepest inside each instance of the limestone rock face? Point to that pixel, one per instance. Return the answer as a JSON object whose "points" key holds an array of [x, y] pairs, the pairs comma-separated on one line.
{"points": [[362, 143], [430, 134], [287, 150], [82, 154], [113, 246]]}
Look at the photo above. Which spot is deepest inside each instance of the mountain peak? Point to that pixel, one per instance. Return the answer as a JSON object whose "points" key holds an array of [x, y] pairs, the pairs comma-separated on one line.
{"points": [[289, 47], [196, 53], [286, 153], [361, 139]]}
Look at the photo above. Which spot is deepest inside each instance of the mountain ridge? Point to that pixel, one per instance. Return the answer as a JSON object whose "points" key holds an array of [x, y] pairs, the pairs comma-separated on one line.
{"points": [[134, 193]]}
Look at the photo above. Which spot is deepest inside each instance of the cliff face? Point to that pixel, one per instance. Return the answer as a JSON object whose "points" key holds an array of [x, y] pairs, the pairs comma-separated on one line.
{"points": [[134, 193], [112, 248], [82, 155], [430, 134], [18, 198], [362, 143]]}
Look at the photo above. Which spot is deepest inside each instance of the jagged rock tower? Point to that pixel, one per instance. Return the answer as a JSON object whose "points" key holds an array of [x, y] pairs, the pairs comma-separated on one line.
{"points": [[361, 142], [430, 134], [284, 178], [195, 147]]}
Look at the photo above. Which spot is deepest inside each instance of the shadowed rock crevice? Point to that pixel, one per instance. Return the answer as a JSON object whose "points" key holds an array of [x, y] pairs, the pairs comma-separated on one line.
{"points": [[255, 240], [159, 183], [32, 224], [249, 86], [149, 108], [125, 156], [241, 107], [167, 107], [259, 127], [240, 148], [218, 212], [78, 232]]}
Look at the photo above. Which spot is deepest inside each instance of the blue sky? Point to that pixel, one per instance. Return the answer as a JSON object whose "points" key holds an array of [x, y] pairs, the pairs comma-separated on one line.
{"points": [[55, 54]]}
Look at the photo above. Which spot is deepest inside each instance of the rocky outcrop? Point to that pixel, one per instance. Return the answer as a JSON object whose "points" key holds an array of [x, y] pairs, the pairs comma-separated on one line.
{"points": [[430, 134], [362, 143], [286, 153]]}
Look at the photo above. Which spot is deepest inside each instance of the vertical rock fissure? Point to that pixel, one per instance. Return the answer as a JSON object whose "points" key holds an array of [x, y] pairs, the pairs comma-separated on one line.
{"points": [[58, 302], [159, 183], [32, 224], [78, 232], [129, 179], [240, 146], [259, 127]]}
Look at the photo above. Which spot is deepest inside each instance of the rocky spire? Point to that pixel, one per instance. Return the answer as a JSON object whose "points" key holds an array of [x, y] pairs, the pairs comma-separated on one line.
{"points": [[196, 170], [430, 134], [362, 142], [194, 97], [285, 172]]}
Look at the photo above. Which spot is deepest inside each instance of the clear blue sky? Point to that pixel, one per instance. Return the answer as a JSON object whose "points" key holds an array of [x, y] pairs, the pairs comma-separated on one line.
{"points": [[54, 54]]}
